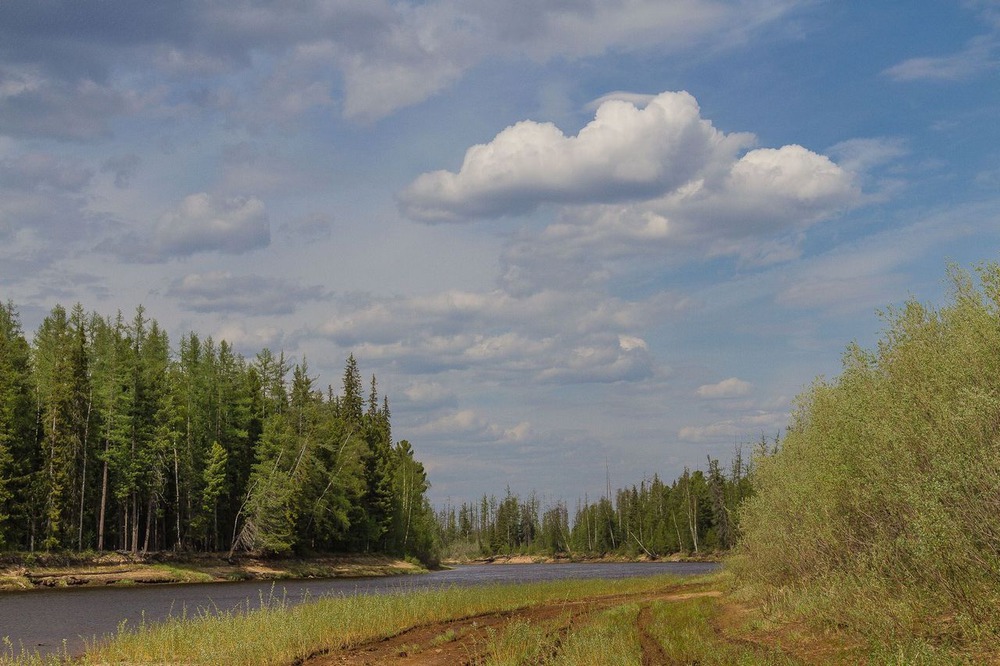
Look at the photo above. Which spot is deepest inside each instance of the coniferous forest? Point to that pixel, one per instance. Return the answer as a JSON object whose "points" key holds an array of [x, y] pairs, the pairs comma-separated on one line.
{"points": [[112, 438], [696, 514]]}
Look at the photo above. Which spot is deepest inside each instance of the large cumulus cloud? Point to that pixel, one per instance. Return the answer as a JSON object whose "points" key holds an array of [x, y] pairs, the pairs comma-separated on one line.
{"points": [[663, 155], [624, 153]]}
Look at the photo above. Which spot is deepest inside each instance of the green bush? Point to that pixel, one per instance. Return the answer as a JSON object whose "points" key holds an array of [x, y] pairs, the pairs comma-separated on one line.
{"points": [[881, 510]]}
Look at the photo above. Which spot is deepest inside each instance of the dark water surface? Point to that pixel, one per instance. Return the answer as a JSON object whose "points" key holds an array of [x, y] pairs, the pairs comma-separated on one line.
{"points": [[43, 620]]}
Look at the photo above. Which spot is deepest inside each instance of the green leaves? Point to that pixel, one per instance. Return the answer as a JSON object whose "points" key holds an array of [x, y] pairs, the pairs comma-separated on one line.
{"points": [[891, 473], [108, 440]]}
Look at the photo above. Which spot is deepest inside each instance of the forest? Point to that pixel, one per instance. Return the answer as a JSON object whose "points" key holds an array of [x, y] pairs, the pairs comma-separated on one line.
{"points": [[696, 514], [112, 439]]}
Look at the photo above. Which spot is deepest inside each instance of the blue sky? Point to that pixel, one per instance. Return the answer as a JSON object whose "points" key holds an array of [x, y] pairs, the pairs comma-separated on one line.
{"points": [[568, 238]]}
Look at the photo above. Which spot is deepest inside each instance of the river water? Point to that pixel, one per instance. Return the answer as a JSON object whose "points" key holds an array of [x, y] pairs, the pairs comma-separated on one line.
{"points": [[48, 620]]}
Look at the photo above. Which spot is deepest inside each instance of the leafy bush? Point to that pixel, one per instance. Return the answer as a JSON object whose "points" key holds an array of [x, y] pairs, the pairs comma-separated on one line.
{"points": [[881, 510]]}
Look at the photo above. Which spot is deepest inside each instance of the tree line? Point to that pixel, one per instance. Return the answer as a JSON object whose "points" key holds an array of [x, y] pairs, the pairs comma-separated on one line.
{"points": [[695, 514], [111, 439]]}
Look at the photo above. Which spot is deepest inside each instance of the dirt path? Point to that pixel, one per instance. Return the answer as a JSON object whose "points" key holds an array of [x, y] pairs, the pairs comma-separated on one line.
{"points": [[461, 642], [652, 652]]}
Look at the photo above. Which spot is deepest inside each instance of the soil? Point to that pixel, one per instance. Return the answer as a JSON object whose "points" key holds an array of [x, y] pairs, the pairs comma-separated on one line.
{"points": [[549, 559], [461, 642], [48, 571]]}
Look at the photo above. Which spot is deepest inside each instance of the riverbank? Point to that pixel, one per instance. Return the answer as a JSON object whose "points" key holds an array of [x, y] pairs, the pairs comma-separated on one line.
{"points": [[27, 571], [652, 620], [575, 559]]}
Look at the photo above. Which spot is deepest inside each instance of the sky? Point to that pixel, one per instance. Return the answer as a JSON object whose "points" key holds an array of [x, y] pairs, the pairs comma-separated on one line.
{"points": [[575, 241]]}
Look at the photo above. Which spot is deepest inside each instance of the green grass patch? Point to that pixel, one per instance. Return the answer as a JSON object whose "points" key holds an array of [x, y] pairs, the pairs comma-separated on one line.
{"points": [[610, 639], [685, 631], [520, 642], [280, 633]]}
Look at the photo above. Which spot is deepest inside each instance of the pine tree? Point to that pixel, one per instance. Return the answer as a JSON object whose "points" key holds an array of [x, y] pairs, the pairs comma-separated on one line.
{"points": [[60, 364], [17, 449]]}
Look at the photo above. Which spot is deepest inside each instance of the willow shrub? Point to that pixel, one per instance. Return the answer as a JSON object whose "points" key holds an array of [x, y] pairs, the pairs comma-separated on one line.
{"points": [[881, 510]]}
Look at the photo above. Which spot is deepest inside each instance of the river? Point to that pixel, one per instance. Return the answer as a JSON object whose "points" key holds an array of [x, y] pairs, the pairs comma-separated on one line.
{"points": [[45, 620]]}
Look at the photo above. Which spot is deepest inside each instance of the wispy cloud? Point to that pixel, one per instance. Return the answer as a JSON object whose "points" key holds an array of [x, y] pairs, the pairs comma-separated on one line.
{"points": [[221, 291], [979, 57], [727, 388], [204, 223]]}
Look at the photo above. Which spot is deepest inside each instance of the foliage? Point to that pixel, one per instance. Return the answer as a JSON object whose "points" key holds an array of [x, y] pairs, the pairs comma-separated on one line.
{"points": [[108, 440], [880, 510], [695, 514]]}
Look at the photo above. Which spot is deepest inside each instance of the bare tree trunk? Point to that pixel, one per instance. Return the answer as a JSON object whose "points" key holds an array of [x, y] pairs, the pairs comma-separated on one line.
{"points": [[123, 541], [83, 476], [692, 515], [177, 511], [680, 542], [149, 526], [135, 522]]}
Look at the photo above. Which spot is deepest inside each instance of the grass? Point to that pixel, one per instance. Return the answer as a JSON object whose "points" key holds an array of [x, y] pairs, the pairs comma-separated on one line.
{"points": [[687, 632], [279, 633], [521, 642], [610, 639], [666, 615]]}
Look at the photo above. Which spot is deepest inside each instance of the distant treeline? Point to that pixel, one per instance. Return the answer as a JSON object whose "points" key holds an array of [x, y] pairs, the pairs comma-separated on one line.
{"points": [[695, 514], [111, 440]]}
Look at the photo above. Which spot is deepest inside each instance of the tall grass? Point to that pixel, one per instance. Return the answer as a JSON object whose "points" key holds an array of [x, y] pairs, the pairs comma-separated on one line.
{"points": [[280, 633], [881, 511], [611, 639]]}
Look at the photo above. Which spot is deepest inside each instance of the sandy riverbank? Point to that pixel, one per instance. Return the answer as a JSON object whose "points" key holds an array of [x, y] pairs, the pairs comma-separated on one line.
{"points": [[40, 571], [563, 559]]}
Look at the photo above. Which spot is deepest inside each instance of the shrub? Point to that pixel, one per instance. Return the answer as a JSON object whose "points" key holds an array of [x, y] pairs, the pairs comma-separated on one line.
{"points": [[883, 504]]}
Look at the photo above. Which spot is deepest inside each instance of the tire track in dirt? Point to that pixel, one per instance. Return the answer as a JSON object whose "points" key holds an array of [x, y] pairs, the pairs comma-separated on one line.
{"points": [[462, 641], [653, 653]]}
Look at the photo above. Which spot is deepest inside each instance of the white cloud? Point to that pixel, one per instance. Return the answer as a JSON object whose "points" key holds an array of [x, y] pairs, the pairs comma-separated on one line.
{"points": [[44, 215], [642, 182], [727, 388], [862, 155], [426, 395], [33, 104], [470, 427], [745, 427], [249, 341], [625, 153], [978, 57], [203, 223], [385, 54], [548, 336], [756, 206]]}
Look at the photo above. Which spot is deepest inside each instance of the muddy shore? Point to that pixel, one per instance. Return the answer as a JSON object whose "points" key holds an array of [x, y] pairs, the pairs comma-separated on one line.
{"points": [[26, 571]]}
